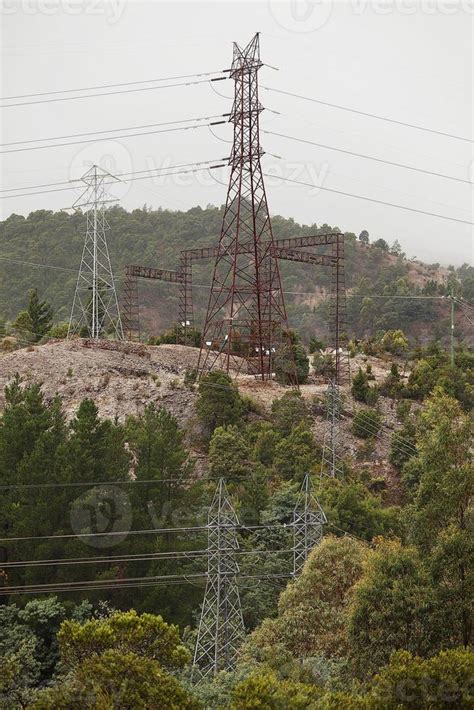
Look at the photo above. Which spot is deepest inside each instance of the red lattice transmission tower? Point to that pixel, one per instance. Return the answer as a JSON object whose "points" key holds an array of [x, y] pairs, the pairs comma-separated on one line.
{"points": [[246, 325]]}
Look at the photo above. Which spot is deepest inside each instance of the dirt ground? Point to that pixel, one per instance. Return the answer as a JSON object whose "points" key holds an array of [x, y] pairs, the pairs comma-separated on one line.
{"points": [[122, 378]]}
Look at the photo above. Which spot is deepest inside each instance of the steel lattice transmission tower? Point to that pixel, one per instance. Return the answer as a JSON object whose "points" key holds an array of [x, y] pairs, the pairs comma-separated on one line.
{"points": [[330, 461], [308, 521], [221, 627], [95, 306], [246, 315]]}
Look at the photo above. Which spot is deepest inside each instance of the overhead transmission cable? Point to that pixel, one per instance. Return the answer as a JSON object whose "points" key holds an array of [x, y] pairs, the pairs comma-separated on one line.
{"points": [[115, 130], [121, 175], [369, 157], [157, 174], [126, 583], [97, 140], [110, 86], [370, 115], [111, 93], [146, 531], [369, 199]]}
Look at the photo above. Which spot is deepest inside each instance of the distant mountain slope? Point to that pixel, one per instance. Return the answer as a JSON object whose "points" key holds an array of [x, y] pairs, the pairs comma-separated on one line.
{"points": [[155, 238]]}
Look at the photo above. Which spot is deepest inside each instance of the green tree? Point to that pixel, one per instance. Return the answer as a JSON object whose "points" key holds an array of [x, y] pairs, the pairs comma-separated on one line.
{"points": [[219, 402], [395, 342], [402, 444], [264, 690], [444, 493], [40, 313], [364, 237], [361, 389], [288, 411], [443, 681], [157, 445], [229, 453], [265, 444], [128, 632], [312, 610], [366, 423], [352, 508], [296, 454], [114, 679], [381, 244], [392, 608], [96, 447]]}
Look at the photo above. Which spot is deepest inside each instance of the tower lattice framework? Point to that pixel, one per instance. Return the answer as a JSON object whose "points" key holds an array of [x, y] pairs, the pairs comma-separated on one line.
{"points": [[308, 522], [246, 315], [221, 626], [330, 461], [95, 307]]}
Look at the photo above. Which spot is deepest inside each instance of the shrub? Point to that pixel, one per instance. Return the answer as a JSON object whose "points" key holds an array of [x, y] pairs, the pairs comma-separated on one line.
{"points": [[395, 342], [366, 423], [219, 402]]}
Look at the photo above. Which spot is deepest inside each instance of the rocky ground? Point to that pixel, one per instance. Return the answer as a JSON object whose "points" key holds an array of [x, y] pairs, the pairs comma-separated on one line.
{"points": [[123, 377], [120, 377]]}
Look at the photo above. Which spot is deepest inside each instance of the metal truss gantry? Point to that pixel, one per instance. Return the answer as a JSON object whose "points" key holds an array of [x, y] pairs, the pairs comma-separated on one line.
{"points": [[95, 306], [246, 324], [291, 249], [330, 461], [308, 522], [221, 626]]}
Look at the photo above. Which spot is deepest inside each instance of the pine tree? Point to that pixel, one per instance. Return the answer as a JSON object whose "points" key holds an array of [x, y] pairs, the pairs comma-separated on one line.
{"points": [[40, 313]]}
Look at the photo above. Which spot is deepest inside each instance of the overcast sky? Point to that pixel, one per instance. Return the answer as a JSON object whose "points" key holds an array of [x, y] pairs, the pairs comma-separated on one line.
{"points": [[407, 60]]}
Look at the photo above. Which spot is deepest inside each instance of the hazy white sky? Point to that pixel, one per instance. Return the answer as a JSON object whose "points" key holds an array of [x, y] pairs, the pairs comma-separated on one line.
{"points": [[409, 60]]}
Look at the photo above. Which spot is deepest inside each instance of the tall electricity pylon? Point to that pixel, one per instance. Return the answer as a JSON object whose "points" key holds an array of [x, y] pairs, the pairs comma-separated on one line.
{"points": [[221, 627], [308, 521], [330, 461], [246, 323], [95, 307]]}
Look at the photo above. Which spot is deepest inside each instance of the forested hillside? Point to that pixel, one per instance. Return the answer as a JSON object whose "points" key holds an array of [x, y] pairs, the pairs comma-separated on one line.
{"points": [[155, 238]]}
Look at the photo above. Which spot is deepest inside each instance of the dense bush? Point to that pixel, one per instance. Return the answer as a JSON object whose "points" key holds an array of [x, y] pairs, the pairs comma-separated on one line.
{"points": [[366, 423]]}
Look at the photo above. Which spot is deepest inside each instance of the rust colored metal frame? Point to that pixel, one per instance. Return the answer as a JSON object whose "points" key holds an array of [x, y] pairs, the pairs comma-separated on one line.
{"points": [[246, 322], [285, 249]]}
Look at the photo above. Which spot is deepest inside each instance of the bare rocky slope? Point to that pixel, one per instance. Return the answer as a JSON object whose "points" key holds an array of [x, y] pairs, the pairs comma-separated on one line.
{"points": [[122, 378]]}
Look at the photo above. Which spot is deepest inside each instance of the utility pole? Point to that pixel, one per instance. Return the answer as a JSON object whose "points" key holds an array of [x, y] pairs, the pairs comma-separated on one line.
{"points": [[308, 522], [330, 465], [246, 323], [95, 307], [451, 297], [221, 626]]}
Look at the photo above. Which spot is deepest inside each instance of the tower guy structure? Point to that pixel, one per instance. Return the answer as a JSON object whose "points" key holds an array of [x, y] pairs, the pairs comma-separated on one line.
{"points": [[246, 314], [221, 626], [308, 522], [95, 307]]}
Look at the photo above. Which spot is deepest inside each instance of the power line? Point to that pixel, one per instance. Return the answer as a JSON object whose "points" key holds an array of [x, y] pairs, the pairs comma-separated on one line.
{"points": [[369, 157], [132, 179], [294, 293], [115, 130], [109, 86], [97, 140], [137, 557], [109, 93], [127, 482], [147, 531], [117, 584], [133, 172], [370, 199], [371, 115]]}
